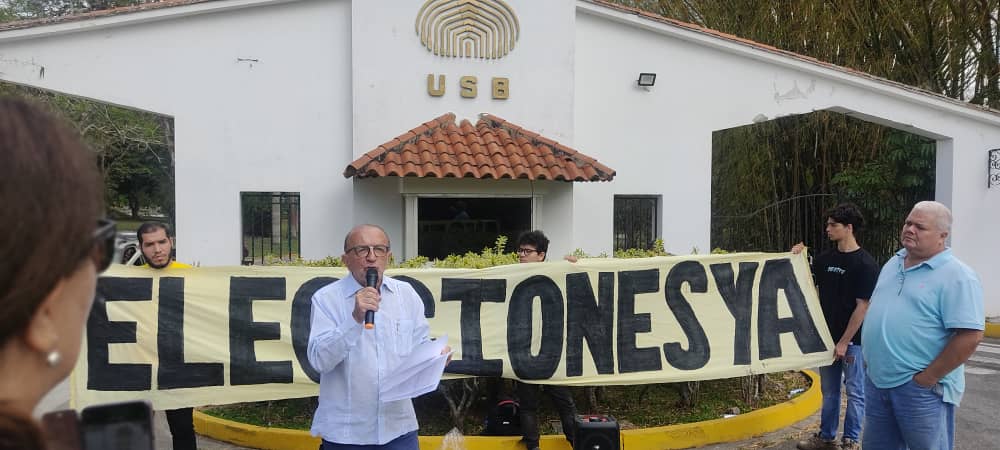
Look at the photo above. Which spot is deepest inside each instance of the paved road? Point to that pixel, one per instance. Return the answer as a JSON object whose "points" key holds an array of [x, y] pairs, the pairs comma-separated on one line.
{"points": [[58, 399], [977, 425]]}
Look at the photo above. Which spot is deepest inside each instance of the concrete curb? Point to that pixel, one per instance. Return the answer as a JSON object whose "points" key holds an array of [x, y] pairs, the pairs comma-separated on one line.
{"points": [[688, 435], [992, 330]]}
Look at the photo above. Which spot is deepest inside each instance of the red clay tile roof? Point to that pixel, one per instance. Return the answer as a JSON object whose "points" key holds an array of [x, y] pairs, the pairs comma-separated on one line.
{"points": [[492, 148]]}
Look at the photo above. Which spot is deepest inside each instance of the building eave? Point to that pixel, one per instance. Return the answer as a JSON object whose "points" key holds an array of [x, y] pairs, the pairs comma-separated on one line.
{"points": [[783, 58], [131, 15]]}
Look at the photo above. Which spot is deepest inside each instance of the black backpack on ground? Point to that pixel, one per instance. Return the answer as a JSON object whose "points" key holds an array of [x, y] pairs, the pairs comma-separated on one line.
{"points": [[504, 419]]}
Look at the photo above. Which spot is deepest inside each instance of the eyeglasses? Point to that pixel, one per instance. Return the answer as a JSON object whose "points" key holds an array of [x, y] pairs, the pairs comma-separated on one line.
{"points": [[362, 251], [526, 251], [103, 251]]}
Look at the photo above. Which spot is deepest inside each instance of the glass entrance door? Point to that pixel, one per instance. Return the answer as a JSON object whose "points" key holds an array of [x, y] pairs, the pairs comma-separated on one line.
{"points": [[456, 225]]}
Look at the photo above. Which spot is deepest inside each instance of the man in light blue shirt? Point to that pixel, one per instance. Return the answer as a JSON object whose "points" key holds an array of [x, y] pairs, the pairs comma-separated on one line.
{"points": [[352, 360], [925, 320]]}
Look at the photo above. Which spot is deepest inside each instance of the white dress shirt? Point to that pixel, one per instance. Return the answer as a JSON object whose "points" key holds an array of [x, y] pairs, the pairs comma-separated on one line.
{"points": [[352, 361]]}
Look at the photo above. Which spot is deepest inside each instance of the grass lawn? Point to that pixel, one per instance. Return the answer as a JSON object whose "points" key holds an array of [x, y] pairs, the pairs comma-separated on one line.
{"points": [[638, 406]]}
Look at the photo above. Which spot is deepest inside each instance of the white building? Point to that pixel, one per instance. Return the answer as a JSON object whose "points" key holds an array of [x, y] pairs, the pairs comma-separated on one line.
{"points": [[282, 95]]}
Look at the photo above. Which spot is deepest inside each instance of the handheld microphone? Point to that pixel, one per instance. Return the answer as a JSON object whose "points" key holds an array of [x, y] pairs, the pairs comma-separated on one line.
{"points": [[371, 279]]}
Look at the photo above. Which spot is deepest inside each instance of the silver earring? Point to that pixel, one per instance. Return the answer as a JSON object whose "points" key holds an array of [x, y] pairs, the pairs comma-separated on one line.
{"points": [[53, 358]]}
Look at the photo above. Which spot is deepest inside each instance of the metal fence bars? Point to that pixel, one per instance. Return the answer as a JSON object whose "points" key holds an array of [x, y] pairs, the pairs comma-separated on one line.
{"points": [[636, 222], [270, 226]]}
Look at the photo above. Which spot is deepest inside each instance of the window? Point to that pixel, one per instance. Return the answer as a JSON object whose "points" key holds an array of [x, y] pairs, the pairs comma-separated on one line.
{"points": [[636, 221], [270, 226], [456, 225]]}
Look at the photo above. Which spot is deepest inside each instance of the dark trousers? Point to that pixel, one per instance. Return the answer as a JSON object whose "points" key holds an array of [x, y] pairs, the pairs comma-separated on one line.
{"points": [[562, 399], [407, 441], [182, 428]]}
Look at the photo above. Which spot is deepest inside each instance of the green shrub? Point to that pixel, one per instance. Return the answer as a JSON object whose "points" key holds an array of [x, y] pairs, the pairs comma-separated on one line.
{"points": [[416, 262], [488, 257], [329, 261], [657, 250]]}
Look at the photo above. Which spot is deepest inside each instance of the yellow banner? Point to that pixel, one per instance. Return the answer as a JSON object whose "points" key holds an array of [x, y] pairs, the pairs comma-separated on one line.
{"points": [[198, 336]]}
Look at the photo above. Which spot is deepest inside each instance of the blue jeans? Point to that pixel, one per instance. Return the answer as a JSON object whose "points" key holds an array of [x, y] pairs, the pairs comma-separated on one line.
{"points": [[908, 416], [407, 441], [851, 373]]}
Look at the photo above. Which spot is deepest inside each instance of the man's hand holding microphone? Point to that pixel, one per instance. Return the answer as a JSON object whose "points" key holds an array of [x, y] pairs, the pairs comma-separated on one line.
{"points": [[367, 299], [366, 302]]}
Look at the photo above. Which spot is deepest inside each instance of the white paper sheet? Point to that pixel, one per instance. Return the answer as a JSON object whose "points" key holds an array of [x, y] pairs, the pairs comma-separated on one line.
{"points": [[418, 374]]}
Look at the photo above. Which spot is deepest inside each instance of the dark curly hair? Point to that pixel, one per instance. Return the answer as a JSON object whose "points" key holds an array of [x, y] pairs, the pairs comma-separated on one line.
{"points": [[847, 214], [535, 239]]}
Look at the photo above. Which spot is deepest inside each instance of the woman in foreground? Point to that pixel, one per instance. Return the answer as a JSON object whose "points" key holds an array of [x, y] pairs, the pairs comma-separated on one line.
{"points": [[53, 243]]}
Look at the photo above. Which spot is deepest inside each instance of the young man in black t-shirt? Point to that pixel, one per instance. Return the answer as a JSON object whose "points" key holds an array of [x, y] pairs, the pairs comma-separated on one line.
{"points": [[532, 246], [845, 277]]}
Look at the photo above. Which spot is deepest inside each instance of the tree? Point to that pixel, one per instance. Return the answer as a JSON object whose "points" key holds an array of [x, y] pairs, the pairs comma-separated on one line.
{"points": [[39, 9], [134, 148], [772, 180], [945, 46]]}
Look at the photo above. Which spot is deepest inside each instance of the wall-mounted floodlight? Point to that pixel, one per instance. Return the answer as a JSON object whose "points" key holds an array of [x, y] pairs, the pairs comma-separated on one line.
{"points": [[646, 79]]}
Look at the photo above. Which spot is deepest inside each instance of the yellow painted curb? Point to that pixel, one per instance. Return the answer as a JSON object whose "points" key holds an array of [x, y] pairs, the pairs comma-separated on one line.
{"points": [[251, 435], [992, 330], [688, 435], [735, 428]]}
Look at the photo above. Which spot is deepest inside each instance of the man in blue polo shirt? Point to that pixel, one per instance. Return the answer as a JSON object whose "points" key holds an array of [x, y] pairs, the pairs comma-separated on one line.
{"points": [[925, 320]]}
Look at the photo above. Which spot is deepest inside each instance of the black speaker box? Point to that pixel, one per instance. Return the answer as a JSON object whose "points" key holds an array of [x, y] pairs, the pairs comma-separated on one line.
{"points": [[596, 433]]}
